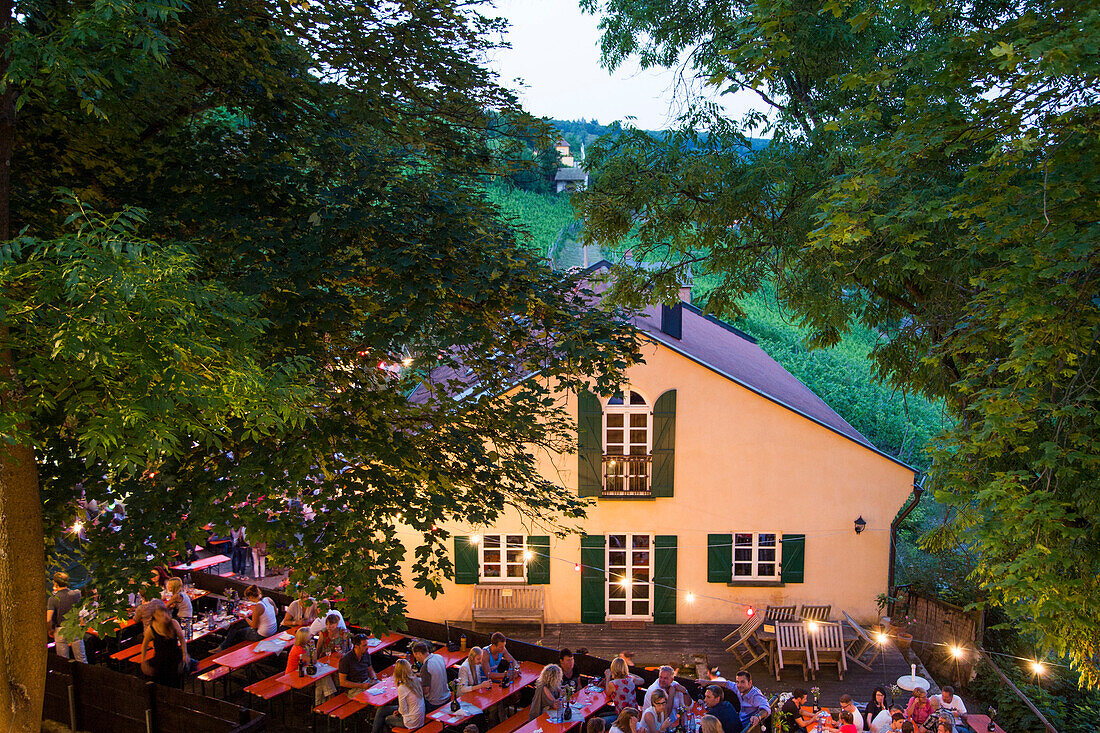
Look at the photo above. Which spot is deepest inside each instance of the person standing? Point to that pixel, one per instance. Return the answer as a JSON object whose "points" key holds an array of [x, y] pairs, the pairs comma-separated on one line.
{"points": [[59, 604], [238, 550], [433, 676], [169, 648], [259, 560]]}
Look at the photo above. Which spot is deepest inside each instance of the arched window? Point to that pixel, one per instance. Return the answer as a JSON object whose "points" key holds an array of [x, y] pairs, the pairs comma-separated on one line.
{"points": [[627, 423]]}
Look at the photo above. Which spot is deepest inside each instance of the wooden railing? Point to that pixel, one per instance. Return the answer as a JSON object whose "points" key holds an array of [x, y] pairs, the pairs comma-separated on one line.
{"points": [[627, 475]]}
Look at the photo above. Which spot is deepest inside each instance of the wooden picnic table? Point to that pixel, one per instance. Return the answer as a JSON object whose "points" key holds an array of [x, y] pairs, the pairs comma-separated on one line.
{"points": [[202, 564], [249, 654], [586, 702], [485, 699]]}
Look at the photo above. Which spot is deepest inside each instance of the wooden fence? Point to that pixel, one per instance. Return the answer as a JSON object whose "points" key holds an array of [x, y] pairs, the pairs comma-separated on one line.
{"points": [[100, 700], [938, 626]]}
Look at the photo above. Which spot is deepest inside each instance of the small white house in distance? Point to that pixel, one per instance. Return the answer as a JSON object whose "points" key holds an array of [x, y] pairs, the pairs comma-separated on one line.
{"points": [[570, 179], [718, 482]]}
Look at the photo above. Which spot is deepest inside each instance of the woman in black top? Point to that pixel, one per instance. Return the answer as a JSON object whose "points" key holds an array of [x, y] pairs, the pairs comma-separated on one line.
{"points": [[876, 706], [169, 648]]}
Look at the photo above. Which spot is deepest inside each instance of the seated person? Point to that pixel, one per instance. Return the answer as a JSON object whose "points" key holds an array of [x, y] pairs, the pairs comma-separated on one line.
{"points": [[950, 706], [847, 705], [792, 714], [727, 713], [710, 724], [674, 691], [144, 611], [261, 620], [410, 709], [333, 638], [547, 692], [324, 608], [628, 719], [356, 672], [300, 647], [496, 659], [433, 676], [178, 602], [568, 666], [471, 675], [942, 726], [753, 706], [918, 708], [658, 716], [620, 686], [881, 722], [302, 611]]}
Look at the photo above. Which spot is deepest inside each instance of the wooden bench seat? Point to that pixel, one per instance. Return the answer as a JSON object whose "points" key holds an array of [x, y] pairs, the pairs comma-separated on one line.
{"points": [[332, 704], [433, 727], [513, 723], [208, 663], [509, 603], [269, 688], [214, 674]]}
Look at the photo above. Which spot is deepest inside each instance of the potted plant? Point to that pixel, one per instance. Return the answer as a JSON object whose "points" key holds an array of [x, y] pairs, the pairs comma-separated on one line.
{"points": [[899, 626]]}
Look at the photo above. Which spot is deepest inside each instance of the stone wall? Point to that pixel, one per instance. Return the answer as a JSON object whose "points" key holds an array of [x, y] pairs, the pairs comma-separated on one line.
{"points": [[937, 627]]}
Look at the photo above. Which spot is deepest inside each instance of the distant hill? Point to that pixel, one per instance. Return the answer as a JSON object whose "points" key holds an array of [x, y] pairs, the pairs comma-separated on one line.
{"points": [[578, 132]]}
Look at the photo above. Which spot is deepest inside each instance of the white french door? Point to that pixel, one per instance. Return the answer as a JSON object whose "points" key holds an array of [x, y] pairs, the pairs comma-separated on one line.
{"points": [[630, 576]]}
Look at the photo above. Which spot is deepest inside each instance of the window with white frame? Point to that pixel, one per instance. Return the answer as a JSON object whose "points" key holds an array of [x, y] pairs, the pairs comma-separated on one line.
{"points": [[630, 575], [502, 557], [756, 556], [627, 421]]}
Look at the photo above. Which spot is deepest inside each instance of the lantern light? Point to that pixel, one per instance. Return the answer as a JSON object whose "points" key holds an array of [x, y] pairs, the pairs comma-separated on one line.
{"points": [[861, 524], [750, 611], [956, 652], [577, 567], [881, 638], [811, 626], [1038, 668], [475, 540], [690, 597], [77, 526], [528, 555]]}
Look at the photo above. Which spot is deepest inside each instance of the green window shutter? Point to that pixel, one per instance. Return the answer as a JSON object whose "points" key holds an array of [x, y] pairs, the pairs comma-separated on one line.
{"points": [[794, 558], [465, 561], [664, 443], [664, 579], [589, 445], [538, 568], [719, 558], [593, 579]]}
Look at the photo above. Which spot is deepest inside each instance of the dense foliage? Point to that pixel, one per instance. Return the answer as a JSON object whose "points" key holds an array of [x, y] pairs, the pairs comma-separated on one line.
{"points": [[536, 218], [317, 178], [932, 177]]}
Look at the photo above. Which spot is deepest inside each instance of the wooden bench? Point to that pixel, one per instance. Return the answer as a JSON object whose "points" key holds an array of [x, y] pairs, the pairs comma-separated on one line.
{"points": [[433, 727], [507, 603], [512, 724]]}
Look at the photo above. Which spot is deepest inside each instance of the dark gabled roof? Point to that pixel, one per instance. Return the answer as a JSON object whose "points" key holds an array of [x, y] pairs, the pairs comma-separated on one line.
{"points": [[724, 349], [570, 174]]}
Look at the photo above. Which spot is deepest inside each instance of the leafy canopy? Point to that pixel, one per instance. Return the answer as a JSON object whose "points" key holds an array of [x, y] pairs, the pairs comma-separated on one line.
{"points": [[931, 175], [325, 162]]}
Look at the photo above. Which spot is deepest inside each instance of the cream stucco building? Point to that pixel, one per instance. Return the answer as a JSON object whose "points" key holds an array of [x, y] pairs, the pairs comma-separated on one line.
{"points": [[719, 482]]}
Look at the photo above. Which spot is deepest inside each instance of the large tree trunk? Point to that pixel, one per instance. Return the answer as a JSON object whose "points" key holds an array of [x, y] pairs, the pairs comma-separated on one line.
{"points": [[22, 557], [22, 585]]}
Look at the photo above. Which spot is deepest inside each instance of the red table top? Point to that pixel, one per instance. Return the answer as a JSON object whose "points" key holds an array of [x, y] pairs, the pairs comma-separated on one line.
{"points": [[485, 699], [592, 702], [247, 655], [980, 723], [292, 679], [202, 564]]}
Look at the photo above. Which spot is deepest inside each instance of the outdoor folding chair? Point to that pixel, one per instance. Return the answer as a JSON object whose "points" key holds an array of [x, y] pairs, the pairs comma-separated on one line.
{"points": [[747, 649], [861, 645], [780, 613], [827, 644], [816, 613], [792, 647], [739, 632]]}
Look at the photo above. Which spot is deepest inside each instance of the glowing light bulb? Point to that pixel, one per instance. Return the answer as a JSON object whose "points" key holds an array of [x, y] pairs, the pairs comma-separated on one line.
{"points": [[475, 540], [690, 597], [577, 567], [527, 555], [812, 627], [880, 637], [624, 582], [750, 611], [78, 526], [956, 652], [1038, 668], [407, 361]]}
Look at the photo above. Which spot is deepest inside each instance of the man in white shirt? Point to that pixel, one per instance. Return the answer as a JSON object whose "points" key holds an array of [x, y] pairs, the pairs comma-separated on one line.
{"points": [[673, 689], [323, 612], [951, 706], [882, 722], [847, 704]]}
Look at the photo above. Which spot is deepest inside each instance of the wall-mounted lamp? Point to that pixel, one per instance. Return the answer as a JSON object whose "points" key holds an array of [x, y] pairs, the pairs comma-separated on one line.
{"points": [[860, 524]]}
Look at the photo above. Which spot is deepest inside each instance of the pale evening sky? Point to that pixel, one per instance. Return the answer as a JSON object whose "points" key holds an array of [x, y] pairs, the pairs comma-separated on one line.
{"points": [[556, 51]]}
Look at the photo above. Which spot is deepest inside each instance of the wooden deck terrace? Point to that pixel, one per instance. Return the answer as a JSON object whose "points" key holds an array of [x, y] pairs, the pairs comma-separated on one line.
{"points": [[678, 645]]}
